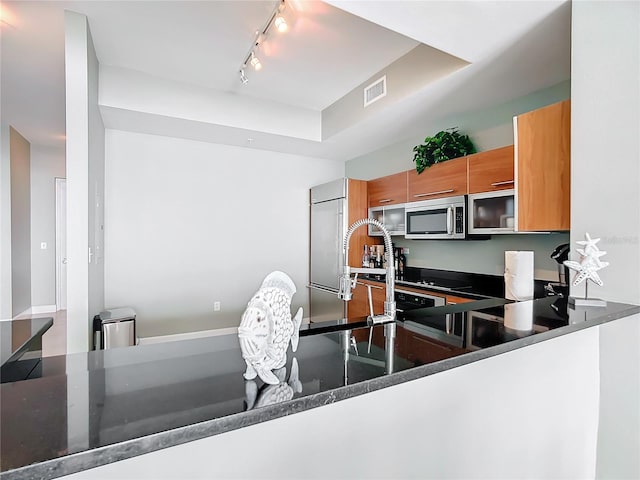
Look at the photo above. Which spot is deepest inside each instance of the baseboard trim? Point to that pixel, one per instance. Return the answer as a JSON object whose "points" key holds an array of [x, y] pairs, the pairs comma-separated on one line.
{"points": [[186, 336], [191, 335], [43, 309], [26, 312]]}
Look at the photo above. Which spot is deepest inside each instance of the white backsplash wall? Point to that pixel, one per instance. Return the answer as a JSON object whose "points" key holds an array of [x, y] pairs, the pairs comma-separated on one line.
{"points": [[484, 256], [189, 223]]}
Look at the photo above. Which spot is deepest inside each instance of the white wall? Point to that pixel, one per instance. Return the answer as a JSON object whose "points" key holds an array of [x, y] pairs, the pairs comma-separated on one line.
{"points": [[605, 150], [516, 415], [489, 128], [605, 195], [189, 223], [96, 186], [619, 423], [5, 223], [47, 163], [20, 223], [85, 157]]}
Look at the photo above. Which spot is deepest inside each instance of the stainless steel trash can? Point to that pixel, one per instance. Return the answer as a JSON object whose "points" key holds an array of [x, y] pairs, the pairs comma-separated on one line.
{"points": [[114, 328]]}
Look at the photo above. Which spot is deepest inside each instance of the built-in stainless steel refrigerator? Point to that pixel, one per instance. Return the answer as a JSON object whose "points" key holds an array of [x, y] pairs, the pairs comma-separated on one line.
{"points": [[329, 212]]}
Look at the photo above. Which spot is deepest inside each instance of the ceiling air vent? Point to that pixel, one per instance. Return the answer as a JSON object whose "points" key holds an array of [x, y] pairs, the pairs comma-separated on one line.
{"points": [[375, 91]]}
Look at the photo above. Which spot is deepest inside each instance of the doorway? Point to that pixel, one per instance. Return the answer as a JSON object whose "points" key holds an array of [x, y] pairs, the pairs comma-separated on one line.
{"points": [[61, 243]]}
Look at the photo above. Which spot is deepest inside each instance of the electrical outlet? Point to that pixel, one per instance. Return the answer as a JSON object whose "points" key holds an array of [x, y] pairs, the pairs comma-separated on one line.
{"points": [[43, 245], [216, 306]]}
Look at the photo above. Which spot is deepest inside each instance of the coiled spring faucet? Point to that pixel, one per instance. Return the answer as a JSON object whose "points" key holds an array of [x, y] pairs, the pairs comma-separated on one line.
{"points": [[346, 284]]}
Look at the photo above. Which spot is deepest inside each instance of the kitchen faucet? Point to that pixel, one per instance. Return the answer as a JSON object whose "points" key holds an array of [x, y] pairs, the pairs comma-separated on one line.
{"points": [[388, 318], [346, 284]]}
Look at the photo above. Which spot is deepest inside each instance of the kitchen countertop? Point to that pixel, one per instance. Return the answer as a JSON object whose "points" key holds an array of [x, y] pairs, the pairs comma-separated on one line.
{"points": [[99, 407], [470, 285]]}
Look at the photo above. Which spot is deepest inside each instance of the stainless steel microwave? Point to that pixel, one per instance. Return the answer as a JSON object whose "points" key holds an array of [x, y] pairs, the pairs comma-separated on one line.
{"points": [[440, 218]]}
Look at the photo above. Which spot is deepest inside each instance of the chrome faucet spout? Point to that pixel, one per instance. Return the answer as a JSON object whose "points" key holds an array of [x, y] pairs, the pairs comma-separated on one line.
{"points": [[346, 285]]}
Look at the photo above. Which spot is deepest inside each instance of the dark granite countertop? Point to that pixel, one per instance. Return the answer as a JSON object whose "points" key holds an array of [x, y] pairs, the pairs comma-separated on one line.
{"points": [[465, 284], [129, 401]]}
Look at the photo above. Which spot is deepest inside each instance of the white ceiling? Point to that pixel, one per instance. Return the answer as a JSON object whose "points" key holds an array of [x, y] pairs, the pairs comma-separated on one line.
{"points": [[515, 47]]}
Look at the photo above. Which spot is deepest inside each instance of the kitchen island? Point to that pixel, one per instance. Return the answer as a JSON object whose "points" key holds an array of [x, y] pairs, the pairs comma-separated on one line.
{"points": [[117, 405]]}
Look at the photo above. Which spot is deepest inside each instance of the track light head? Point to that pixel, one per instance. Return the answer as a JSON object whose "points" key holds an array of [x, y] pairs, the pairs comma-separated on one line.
{"points": [[281, 24], [243, 77], [255, 62]]}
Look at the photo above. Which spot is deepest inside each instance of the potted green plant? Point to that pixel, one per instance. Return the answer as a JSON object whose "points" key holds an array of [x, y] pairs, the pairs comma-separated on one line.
{"points": [[443, 146]]}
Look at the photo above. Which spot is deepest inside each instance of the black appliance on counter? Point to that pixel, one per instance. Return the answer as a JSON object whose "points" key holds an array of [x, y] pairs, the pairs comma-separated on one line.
{"points": [[406, 300], [560, 254], [448, 328]]}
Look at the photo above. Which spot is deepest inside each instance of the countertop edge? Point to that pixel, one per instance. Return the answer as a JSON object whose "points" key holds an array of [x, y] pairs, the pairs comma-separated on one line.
{"points": [[18, 352], [96, 457]]}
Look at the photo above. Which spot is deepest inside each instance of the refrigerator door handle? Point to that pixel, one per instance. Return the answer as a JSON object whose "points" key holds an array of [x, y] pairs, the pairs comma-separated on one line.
{"points": [[341, 261]]}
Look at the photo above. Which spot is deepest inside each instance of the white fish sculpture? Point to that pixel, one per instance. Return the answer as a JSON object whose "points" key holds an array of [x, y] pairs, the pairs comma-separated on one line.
{"points": [[272, 394], [267, 327]]}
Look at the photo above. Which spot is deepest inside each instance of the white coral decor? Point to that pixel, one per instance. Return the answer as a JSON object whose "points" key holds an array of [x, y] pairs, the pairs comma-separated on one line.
{"points": [[589, 265]]}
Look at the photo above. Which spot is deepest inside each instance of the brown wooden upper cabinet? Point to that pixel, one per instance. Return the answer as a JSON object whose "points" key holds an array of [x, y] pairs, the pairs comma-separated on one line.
{"points": [[491, 170], [543, 168], [388, 190], [446, 179]]}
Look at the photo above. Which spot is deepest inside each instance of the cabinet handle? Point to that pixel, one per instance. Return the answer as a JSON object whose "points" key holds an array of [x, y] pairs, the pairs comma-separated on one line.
{"points": [[386, 200], [497, 184], [432, 193]]}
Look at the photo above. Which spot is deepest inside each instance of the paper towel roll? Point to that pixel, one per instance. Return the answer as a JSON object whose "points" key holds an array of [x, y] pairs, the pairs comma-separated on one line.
{"points": [[518, 275], [519, 316]]}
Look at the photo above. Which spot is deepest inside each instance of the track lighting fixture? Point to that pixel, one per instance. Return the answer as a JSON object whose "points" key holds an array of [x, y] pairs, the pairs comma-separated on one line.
{"points": [[281, 24], [255, 62], [243, 77], [277, 20]]}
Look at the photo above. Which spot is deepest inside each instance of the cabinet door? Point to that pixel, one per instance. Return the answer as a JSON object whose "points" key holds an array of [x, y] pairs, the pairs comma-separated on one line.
{"points": [[357, 209], [358, 306], [388, 190], [425, 350], [445, 179], [391, 217], [394, 219], [491, 170], [543, 168], [433, 293], [377, 213], [453, 300]]}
